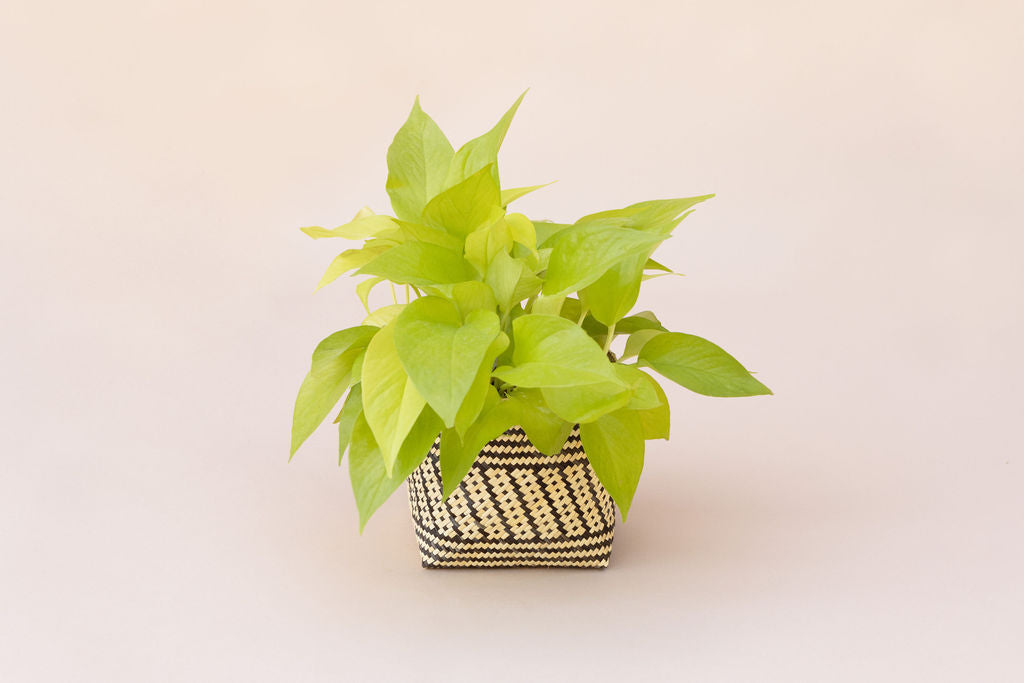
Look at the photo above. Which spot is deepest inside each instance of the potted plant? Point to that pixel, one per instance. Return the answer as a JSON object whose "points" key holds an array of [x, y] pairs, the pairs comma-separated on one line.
{"points": [[488, 381]]}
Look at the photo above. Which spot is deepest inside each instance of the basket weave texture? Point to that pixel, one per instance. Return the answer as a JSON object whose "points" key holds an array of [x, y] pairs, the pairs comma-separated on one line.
{"points": [[516, 508]]}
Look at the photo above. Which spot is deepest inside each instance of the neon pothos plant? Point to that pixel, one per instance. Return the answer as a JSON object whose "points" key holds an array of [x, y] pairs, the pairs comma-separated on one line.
{"points": [[503, 321]]}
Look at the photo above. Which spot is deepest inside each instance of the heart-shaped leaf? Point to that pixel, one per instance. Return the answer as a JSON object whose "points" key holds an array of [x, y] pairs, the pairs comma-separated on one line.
{"points": [[549, 351], [441, 353]]}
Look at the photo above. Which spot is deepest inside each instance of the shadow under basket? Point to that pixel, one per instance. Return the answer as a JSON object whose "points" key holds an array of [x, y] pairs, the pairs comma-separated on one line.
{"points": [[516, 508]]}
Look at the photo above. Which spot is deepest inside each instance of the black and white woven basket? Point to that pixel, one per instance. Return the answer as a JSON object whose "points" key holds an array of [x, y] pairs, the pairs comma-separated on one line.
{"points": [[516, 508]]}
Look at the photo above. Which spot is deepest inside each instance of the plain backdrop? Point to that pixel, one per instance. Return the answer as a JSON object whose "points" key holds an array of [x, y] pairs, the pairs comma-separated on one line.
{"points": [[863, 255]]}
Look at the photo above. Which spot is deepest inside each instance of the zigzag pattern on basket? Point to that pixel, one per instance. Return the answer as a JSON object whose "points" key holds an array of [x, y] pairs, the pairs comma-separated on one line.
{"points": [[516, 508]]}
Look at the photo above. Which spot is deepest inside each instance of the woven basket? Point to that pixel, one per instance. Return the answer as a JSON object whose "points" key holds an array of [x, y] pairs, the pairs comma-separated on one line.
{"points": [[516, 508]]}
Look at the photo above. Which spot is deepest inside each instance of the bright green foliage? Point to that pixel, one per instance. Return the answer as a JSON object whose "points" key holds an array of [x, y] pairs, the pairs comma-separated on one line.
{"points": [[614, 444], [441, 353], [459, 452], [655, 421], [361, 227], [546, 430], [329, 376], [583, 254], [504, 320], [481, 389], [391, 402], [699, 365], [636, 342], [511, 280], [513, 193], [462, 208], [384, 315], [586, 402], [371, 483], [481, 152], [613, 294], [471, 296], [418, 161], [421, 264], [364, 288], [350, 410], [349, 259], [552, 352]]}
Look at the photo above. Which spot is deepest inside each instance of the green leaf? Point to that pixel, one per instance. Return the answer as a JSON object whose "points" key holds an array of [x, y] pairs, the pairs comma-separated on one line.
{"points": [[364, 288], [699, 365], [644, 320], [548, 305], [384, 315], [349, 259], [510, 280], [459, 454], [484, 244], [651, 264], [655, 421], [371, 483], [472, 296], [441, 354], [481, 151], [417, 232], [358, 229], [421, 264], [546, 430], [636, 342], [418, 161], [643, 396], [614, 444], [587, 402], [522, 231], [329, 376], [613, 294], [546, 231], [513, 193], [350, 410], [549, 351], [481, 389], [658, 216], [582, 255], [391, 402], [464, 207]]}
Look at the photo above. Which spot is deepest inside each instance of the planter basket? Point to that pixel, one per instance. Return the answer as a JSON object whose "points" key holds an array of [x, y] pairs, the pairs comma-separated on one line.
{"points": [[516, 508]]}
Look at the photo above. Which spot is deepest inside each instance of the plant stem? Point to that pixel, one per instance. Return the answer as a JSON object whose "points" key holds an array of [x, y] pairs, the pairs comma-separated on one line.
{"points": [[529, 303], [609, 338], [583, 315], [394, 294], [407, 294]]}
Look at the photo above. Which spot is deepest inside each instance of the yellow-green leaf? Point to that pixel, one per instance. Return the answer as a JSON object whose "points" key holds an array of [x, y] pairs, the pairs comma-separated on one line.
{"points": [[421, 264], [471, 204], [482, 151], [583, 253], [418, 162], [513, 193], [330, 374], [358, 229], [371, 482], [391, 402], [350, 410], [349, 259], [699, 365], [549, 351], [614, 444], [440, 353]]}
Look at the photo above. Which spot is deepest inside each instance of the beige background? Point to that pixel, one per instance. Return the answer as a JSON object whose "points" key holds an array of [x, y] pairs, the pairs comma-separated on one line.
{"points": [[863, 255]]}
